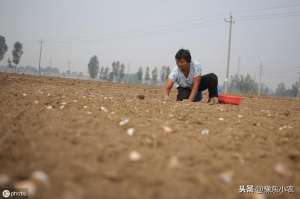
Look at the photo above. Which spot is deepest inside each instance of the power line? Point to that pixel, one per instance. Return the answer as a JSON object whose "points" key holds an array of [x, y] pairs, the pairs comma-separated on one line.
{"points": [[270, 15], [268, 18], [136, 33], [267, 8], [195, 24]]}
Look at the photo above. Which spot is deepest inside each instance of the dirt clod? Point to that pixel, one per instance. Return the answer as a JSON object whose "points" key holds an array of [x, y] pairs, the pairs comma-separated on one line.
{"points": [[141, 97]]}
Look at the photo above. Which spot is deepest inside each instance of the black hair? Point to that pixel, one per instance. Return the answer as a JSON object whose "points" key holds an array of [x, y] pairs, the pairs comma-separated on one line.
{"points": [[184, 54]]}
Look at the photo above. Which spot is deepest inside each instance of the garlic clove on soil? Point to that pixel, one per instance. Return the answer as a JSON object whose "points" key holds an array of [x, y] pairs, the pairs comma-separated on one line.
{"points": [[40, 177], [5, 181], [167, 129], [173, 162], [258, 196], [227, 176], [282, 170], [205, 131], [27, 185], [130, 131], [124, 121], [103, 109], [135, 156]]}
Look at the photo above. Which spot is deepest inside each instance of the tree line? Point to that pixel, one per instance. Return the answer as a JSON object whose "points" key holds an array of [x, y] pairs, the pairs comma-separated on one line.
{"points": [[248, 85], [17, 53], [117, 73], [293, 91]]}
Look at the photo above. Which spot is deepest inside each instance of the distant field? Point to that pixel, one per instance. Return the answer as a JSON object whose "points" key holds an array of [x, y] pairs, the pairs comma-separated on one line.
{"points": [[70, 129]]}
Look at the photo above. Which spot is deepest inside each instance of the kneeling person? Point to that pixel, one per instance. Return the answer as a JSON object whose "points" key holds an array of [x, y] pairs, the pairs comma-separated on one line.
{"points": [[188, 79]]}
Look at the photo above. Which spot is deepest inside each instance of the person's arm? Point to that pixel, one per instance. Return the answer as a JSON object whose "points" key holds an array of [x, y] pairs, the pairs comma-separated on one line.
{"points": [[168, 88], [195, 88]]}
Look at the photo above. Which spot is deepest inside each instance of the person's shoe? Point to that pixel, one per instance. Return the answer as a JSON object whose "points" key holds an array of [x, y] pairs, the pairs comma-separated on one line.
{"points": [[213, 101]]}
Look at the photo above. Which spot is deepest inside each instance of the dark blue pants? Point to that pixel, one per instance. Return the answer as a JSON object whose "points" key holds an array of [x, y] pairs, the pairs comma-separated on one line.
{"points": [[209, 81]]}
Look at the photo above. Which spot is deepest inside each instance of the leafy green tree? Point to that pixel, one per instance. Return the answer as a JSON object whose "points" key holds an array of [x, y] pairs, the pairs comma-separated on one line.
{"points": [[17, 53], [122, 72], [164, 73], [3, 47], [9, 63], [118, 71], [106, 73], [115, 71], [139, 74], [243, 84], [281, 89], [101, 73], [168, 71], [147, 74], [294, 89], [154, 75], [93, 66]]}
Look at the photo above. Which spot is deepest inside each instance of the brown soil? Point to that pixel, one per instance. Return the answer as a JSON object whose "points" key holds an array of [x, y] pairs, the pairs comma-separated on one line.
{"points": [[85, 151]]}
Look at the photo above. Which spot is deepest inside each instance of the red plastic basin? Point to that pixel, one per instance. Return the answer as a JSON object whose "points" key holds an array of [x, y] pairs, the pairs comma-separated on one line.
{"points": [[230, 99]]}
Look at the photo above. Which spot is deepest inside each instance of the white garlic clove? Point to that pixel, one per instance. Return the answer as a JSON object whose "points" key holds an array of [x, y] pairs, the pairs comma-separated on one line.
{"points": [[135, 156]]}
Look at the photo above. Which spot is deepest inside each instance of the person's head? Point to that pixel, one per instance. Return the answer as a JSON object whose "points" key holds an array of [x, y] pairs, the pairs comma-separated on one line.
{"points": [[183, 58]]}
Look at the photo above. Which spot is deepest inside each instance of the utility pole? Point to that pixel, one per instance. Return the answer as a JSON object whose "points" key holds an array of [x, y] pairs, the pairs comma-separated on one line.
{"points": [[238, 66], [298, 90], [40, 58], [230, 21], [260, 79]]}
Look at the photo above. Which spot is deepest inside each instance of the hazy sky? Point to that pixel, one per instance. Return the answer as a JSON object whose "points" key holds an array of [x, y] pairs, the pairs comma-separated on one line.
{"points": [[148, 33]]}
